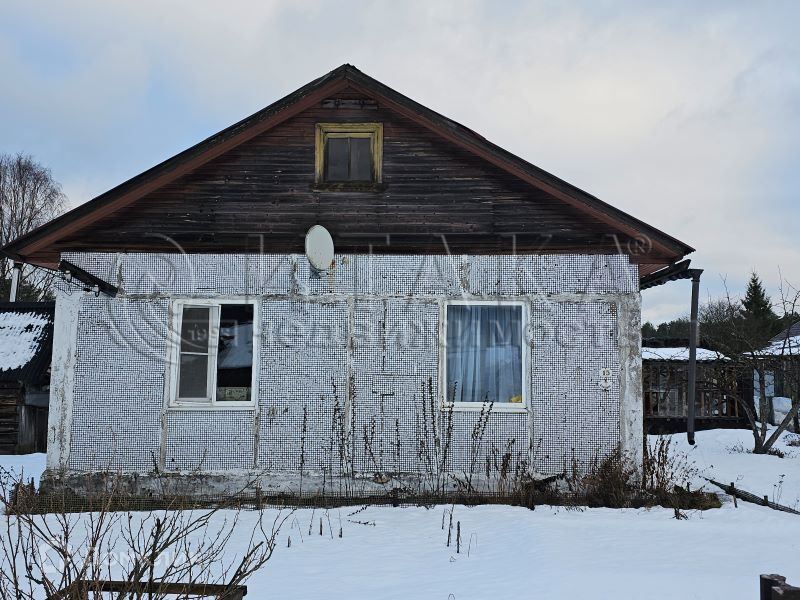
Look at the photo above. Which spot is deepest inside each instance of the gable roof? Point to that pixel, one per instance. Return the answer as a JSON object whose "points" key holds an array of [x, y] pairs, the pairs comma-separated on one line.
{"points": [[32, 247]]}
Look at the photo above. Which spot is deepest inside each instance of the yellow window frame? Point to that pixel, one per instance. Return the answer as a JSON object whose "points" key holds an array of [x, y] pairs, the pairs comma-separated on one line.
{"points": [[373, 131]]}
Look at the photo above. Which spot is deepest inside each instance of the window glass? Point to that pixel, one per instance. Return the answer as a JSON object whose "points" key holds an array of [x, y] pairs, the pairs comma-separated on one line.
{"points": [[337, 159], [360, 159], [484, 353], [195, 329], [235, 353], [215, 362], [193, 376], [348, 158], [195, 337]]}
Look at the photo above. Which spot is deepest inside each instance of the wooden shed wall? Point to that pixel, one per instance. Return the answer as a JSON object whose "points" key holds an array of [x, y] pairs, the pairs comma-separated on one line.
{"points": [[10, 400], [23, 428]]}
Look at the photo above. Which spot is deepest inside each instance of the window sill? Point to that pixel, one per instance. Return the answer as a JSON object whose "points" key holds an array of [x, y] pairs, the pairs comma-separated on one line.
{"points": [[481, 406], [249, 406], [348, 186]]}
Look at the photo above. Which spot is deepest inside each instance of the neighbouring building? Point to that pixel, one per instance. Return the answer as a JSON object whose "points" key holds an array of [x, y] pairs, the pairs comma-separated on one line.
{"points": [[480, 316], [781, 361], [665, 376], [26, 341]]}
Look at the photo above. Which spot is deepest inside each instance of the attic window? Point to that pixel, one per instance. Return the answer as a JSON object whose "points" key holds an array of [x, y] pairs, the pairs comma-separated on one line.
{"points": [[349, 153]]}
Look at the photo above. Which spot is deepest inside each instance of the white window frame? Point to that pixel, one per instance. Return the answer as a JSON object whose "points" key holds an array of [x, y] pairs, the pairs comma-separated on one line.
{"points": [[526, 359], [176, 307]]}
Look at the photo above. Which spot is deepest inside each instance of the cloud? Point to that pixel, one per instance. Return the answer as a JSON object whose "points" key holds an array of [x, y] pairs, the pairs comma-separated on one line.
{"points": [[684, 115]]}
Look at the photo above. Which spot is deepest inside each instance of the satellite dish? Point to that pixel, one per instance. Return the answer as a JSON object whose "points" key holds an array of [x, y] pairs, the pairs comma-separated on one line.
{"points": [[319, 248]]}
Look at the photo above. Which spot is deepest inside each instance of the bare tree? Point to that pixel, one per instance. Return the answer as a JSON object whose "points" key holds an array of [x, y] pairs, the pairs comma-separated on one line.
{"points": [[749, 358], [29, 197]]}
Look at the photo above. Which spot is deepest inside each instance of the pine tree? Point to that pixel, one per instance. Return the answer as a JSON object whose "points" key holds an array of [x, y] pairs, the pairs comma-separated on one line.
{"points": [[756, 303], [760, 321]]}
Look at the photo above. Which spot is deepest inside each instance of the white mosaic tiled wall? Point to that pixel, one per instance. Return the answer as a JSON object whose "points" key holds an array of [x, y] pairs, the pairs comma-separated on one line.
{"points": [[347, 365]]}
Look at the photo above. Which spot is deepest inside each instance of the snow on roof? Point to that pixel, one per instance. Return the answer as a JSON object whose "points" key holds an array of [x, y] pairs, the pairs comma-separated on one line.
{"points": [[680, 353], [782, 347], [21, 333]]}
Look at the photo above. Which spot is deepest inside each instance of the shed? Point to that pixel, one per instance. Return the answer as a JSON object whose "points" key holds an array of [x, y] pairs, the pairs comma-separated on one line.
{"points": [[26, 344], [781, 358]]}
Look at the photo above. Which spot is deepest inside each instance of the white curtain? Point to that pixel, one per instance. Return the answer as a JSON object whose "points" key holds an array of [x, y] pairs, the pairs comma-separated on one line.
{"points": [[484, 353]]}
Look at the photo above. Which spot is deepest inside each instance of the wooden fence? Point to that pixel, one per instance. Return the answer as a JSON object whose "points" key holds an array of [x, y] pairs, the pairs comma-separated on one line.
{"points": [[748, 497], [772, 587], [80, 590]]}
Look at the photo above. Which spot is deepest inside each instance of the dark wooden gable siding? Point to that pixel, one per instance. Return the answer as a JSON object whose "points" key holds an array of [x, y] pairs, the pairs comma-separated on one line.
{"points": [[436, 197]]}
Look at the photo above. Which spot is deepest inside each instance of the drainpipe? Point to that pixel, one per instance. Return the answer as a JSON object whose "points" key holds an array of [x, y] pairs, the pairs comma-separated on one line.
{"points": [[693, 338], [15, 274]]}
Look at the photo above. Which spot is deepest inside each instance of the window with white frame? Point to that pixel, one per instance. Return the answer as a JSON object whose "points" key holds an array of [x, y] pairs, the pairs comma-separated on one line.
{"points": [[213, 353], [485, 354]]}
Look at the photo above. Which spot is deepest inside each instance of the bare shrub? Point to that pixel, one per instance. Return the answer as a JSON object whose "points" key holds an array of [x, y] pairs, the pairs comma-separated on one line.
{"points": [[43, 553], [611, 481], [663, 467]]}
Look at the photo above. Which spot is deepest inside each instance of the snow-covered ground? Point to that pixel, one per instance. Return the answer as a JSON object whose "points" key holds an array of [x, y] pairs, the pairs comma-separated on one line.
{"points": [[26, 466], [724, 455], [546, 553], [510, 552]]}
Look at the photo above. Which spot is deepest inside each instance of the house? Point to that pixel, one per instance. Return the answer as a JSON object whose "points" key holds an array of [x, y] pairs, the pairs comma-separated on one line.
{"points": [[665, 376], [26, 340], [781, 363], [480, 316]]}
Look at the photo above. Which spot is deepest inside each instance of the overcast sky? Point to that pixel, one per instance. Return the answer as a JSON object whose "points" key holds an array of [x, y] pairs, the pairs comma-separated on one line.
{"points": [[684, 114]]}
